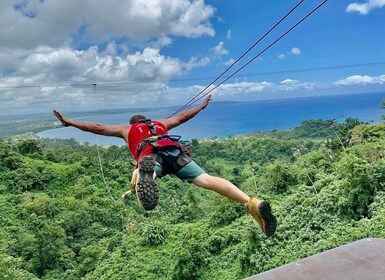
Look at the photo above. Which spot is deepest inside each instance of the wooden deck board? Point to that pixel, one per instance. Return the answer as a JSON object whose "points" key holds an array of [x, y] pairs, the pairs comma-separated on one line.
{"points": [[363, 259]]}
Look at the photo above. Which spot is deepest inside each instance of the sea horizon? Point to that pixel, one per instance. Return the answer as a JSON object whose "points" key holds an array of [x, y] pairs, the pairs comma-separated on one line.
{"points": [[225, 118]]}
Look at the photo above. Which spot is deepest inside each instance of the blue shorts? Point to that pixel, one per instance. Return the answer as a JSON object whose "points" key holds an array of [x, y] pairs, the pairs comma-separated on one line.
{"points": [[187, 173]]}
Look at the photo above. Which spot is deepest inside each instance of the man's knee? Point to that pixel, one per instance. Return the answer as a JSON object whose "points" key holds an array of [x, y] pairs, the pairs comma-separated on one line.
{"points": [[202, 180]]}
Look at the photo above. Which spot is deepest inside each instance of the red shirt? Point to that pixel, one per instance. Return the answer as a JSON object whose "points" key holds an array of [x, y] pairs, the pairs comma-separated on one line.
{"points": [[140, 131]]}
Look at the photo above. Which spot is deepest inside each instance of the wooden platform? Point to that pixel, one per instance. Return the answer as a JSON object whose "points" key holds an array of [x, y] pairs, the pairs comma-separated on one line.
{"points": [[363, 259]]}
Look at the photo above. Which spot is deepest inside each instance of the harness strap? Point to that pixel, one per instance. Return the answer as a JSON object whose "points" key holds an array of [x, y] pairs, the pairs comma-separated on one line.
{"points": [[182, 160], [150, 126], [144, 143]]}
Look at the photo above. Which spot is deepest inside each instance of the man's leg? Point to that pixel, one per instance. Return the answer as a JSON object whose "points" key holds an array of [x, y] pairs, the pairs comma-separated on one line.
{"points": [[259, 209], [221, 186]]}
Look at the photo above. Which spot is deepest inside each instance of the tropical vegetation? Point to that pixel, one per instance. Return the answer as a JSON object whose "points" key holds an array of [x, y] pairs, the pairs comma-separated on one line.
{"points": [[324, 180]]}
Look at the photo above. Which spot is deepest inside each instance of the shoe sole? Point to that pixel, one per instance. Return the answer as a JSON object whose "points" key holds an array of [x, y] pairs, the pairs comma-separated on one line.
{"points": [[147, 190], [268, 217]]}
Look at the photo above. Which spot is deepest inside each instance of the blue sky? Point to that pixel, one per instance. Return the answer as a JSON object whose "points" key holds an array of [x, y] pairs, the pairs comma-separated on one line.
{"points": [[161, 53]]}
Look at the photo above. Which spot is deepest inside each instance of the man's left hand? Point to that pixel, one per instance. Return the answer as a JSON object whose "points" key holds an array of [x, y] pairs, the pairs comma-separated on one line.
{"points": [[206, 102]]}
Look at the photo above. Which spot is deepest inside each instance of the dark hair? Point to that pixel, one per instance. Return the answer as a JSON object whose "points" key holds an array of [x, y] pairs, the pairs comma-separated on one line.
{"points": [[137, 118]]}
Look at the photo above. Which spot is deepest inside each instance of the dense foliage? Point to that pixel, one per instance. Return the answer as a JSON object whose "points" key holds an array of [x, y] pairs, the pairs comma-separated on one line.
{"points": [[57, 221]]}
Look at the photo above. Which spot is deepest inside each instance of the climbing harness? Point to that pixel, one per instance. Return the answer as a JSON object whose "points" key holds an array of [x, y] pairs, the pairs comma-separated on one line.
{"points": [[151, 147], [159, 142]]}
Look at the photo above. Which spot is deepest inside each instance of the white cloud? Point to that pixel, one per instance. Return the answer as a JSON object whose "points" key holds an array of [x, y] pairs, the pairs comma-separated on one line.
{"points": [[230, 62], [41, 80], [219, 50], [294, 85], [64, 66], [361, 80], [139, 92], [295, 51], [228, 35], [195, 62], [242, 88], [359, 8], [365, 8], [111, 48], [47, 43], [32, 23], [162, 41], [48, 65], [289, 82]]}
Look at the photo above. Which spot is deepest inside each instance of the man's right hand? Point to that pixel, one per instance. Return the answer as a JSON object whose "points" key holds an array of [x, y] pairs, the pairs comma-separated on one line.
{"points": [[63, 121]]}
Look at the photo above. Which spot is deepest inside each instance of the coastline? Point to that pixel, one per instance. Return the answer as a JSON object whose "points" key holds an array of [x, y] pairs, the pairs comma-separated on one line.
{"points": [[224, 119]]}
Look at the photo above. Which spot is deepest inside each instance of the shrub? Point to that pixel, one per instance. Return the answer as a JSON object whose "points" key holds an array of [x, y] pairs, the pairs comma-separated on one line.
{"points": [[153, 233]]}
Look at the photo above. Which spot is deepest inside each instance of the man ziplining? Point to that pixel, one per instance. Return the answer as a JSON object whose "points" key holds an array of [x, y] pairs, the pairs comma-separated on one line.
{"points": [[158, 154]]}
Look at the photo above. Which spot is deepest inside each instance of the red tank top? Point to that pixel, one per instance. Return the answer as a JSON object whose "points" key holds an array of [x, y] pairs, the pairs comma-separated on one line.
{"points": [[140, 131]]}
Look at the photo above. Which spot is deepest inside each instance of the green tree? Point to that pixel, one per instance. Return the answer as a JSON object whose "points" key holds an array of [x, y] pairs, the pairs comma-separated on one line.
{"points": [[191, 258], [358, 190], [9, 158], [30, 147], [46, 249], [280, 176]]}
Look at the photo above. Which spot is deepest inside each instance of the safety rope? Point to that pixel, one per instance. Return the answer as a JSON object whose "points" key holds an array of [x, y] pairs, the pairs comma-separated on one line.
{"points": [[98, 151], [196, 98]]}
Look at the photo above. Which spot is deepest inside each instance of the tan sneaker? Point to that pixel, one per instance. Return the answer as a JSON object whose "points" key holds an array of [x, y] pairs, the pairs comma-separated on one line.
{"points": [[134, 181], [261, 211]]}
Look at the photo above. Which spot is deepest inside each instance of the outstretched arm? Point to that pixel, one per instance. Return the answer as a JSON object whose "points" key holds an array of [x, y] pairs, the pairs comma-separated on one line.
{"points": [[96, 128], [185, 116]]}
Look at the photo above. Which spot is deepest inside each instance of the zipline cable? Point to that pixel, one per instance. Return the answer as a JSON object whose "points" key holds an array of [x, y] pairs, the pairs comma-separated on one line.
{"points": [[98, 151], [251, 60], [236, 61], [265, 49]]}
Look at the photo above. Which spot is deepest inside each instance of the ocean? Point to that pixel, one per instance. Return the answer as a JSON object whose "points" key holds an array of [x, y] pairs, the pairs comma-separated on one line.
{"points": [[221, 119]]}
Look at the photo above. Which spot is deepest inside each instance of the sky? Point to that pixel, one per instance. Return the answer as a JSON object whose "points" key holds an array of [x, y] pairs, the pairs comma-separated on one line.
{"points": [[159, 53]]}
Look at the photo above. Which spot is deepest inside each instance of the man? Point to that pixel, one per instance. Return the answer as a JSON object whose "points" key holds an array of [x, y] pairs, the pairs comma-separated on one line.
{"points": [[157, 154]]}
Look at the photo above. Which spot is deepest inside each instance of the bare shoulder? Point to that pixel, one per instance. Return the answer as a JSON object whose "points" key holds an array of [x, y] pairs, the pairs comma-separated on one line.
{"points": [[170, 122], [125, 129], [115, 130], [122, 131]]}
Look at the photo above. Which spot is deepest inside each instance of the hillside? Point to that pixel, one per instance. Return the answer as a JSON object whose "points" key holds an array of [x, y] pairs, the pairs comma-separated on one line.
{"points": [[326, 187]]}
